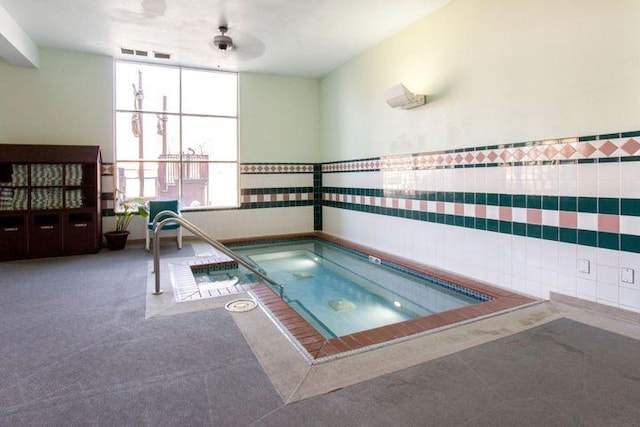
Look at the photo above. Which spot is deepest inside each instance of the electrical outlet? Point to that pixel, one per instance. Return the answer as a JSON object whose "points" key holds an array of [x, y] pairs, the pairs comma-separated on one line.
{"points": [[584, 266], [626, 275]]}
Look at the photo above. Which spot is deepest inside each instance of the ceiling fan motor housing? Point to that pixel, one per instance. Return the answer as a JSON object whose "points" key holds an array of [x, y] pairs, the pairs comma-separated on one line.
{"points": [[222, 41]]}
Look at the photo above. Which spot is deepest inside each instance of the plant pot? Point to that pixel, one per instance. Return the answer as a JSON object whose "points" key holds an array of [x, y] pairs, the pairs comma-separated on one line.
{"points": [[116, 240]]}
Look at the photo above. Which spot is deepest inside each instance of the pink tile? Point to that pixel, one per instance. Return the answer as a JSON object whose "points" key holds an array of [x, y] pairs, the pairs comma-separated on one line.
{"points": [[505, 213], [260, 197], [408, 204], [568, 219], [609, 223], [481, 211], [383, 202], [458, 208], [440, 207], [394, 203], [372, 200], [362, 200], [423, 205], [534, 216]]}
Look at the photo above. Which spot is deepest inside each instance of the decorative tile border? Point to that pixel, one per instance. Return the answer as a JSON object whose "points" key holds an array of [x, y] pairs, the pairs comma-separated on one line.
{"points": [[621, 146], [276, 168], [257, 198], [608, 223]]}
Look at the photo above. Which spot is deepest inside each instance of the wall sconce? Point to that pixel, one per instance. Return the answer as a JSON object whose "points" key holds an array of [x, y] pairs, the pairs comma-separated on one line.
{"points": [[401, 97]]}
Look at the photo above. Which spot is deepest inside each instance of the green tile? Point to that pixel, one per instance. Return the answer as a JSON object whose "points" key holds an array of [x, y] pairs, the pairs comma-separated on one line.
{"points": [[550, 202], [607, 205], [568, 235], [519, 201], [588, 204], [458, 197], [448, 196], [469, 222], [588, 138], [440, 218], [448, 219], [550, 233], [432, 196], [534, 202], [493, 199], [481, 198], [431, 217], [630, 134], [609, 136], [458, 220], [587, 238], [505, 227], [519, 229], [506, 200], [630, 243], [568, 204], [470, 198], [609, 240], [534, 230], [481, 224], [440, 196], [493, 225], [630, 207]]}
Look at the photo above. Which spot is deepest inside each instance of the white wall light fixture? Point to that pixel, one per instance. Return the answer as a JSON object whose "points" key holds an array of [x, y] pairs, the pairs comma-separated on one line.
{"points": [[401, 97]]}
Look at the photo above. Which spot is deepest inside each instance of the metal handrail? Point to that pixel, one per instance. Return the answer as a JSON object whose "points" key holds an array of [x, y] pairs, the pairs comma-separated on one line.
{"points": [[176, 218]]}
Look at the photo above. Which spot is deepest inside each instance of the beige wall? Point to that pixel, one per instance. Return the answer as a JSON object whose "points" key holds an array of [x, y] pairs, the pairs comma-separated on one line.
{"points": [[496, 71], [68, 100], [279, 119]]}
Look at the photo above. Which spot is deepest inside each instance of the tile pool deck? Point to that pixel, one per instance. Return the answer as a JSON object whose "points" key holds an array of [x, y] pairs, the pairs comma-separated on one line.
{"points": [[320, 348]]}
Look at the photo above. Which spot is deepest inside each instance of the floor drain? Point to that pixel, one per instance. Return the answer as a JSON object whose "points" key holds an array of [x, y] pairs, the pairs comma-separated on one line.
{"points": [[241, 305]]}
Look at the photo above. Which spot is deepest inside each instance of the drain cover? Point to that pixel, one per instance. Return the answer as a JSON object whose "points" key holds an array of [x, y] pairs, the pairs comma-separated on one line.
{"points": [[241, 305]]}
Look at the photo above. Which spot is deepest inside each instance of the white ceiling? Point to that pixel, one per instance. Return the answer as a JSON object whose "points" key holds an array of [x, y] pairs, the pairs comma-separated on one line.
{"points": [[306, 38]]}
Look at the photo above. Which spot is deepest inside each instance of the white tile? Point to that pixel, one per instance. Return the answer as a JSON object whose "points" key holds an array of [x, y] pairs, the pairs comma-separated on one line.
{"points": [[469, 210], [608, 257], [493, 212], [519, 215], [629, 224], [629, 173], [567, 284], [281, 180], [608, 275], [550, 218], [588, 179], [587, 221], [568, 187], [567, 258], [586, 289], [449, 208], [608, 188], [568, 172], [630, 298]]}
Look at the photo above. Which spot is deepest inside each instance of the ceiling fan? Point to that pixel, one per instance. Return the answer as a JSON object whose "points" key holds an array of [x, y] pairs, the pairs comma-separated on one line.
{"points": [[241, 46]]}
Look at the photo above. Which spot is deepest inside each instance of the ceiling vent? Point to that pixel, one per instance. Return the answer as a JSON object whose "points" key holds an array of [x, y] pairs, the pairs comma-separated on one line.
{"points": [[126, 51], [159, 55]]}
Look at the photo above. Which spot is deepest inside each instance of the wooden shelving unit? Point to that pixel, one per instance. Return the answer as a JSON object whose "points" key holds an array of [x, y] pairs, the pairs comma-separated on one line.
{"points": [[49, 200]]}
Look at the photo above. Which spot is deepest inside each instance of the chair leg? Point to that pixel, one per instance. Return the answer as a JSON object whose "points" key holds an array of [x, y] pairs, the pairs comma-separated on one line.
{"points": [[179, 238], [146, 235]]}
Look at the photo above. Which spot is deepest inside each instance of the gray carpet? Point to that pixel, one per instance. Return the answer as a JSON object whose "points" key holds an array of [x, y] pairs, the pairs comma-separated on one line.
{"points": [[75, 350]]}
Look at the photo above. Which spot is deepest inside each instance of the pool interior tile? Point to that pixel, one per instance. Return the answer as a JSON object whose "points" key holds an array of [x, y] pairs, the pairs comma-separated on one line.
{"points": [[318, 347]]}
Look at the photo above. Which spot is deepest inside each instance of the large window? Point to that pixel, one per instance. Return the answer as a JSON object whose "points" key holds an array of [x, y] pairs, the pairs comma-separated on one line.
{"points": [[177, 134]]}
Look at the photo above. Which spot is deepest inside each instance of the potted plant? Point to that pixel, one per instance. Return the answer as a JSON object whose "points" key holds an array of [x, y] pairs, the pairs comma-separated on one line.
{"points": [[126, 208]]}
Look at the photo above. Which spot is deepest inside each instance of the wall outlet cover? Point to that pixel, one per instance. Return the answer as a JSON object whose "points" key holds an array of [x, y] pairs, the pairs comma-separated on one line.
{"points": [[584, 266], [626, 275]]}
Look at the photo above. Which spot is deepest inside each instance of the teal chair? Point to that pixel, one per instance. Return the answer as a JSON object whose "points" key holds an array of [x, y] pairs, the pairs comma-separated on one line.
{"points": [[157, 206]]}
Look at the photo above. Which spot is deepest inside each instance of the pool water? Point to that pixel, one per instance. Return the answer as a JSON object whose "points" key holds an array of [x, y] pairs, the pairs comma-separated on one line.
{"points": [[340, 293]]}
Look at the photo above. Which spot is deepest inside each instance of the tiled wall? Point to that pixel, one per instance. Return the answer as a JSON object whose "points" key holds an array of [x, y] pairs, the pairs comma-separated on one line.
{"points": [[520, 215], [275, 198]]}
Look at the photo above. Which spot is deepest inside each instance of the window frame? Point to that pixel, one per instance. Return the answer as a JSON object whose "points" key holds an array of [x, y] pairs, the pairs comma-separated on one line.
{"points": [[179, 115]]}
